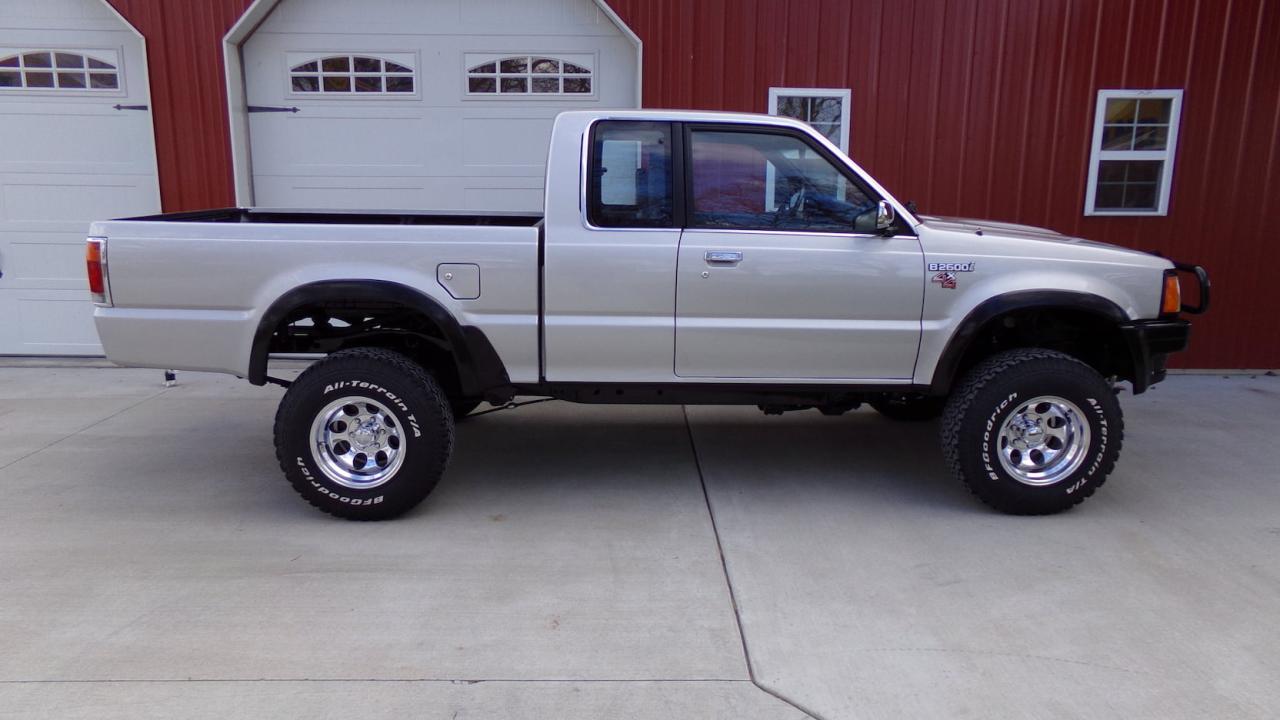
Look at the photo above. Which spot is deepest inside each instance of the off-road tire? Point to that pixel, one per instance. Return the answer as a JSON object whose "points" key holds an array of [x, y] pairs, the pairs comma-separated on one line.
{"points": [[993, 390], [909, 408], [399, 384]]}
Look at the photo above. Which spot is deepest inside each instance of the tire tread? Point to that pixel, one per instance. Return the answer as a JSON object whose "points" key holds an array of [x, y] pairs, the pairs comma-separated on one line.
{"points": [[398, 363], [962, 399]]}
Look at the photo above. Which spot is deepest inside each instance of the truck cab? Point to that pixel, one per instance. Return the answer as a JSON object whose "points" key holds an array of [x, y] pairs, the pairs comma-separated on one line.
{"points": [[711, 247]]}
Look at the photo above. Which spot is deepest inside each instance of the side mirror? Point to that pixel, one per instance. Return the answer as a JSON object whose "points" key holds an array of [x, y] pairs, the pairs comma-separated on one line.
{"points": [[885, 217], [876, 220]]}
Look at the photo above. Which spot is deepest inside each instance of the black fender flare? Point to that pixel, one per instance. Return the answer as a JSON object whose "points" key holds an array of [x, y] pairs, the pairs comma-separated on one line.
{"points": [[478, 366], [944, 373]]}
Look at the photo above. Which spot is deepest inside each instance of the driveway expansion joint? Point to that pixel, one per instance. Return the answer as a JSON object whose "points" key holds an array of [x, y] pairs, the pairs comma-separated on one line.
{"points": [[728, 580], [90, 426]]}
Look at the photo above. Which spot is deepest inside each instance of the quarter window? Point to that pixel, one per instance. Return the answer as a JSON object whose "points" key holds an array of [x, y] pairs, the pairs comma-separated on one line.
{"points": [[770, 181], [529, 75], [827, 110], [352, 74], [1131, 164], [631, 175], [59, 70]]}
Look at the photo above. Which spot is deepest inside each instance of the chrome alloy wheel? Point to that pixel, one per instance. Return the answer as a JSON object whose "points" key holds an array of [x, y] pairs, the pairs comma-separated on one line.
{"points": [[1044, 441], [357, 442]]}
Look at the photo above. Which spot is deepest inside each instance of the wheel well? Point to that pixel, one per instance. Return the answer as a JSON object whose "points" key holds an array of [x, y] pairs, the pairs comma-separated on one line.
{"points": [[327, 326], [1091, 337], [334, 315]]}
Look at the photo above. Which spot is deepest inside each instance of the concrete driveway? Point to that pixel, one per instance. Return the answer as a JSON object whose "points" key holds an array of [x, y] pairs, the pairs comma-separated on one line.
{"points": [[627, 562]]}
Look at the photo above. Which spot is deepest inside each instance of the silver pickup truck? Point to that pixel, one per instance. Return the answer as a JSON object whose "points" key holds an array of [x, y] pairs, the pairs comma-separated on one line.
{"points": [[682, 257]]}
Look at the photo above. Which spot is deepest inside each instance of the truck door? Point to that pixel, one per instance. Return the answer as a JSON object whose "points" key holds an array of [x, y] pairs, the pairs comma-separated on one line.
{"points": [[773, 281], [608, 276]]}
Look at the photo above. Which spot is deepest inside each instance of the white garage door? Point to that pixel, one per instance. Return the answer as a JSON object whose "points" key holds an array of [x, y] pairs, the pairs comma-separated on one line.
{"points": [[77, 146], [438, 104]]}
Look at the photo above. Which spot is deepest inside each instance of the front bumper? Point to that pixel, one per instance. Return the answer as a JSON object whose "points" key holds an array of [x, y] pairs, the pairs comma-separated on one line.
{"points": [[1150, 342]]}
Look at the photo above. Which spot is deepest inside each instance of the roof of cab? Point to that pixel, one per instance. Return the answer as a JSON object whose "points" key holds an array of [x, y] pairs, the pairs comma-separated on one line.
{"points": [[659, 115]]}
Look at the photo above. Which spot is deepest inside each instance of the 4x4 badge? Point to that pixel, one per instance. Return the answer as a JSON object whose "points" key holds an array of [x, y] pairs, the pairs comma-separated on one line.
{"points": [[946, 279]]}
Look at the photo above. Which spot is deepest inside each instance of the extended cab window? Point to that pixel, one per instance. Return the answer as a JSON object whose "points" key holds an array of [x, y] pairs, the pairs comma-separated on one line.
{"points": [[631, 175], [770, 181]]}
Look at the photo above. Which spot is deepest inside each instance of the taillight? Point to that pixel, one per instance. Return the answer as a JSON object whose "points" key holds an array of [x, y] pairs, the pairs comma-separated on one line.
{"points": [[1171, 297], [95, 256]]}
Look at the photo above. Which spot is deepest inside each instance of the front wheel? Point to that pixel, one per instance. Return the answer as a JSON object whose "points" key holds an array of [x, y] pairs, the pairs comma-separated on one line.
{"points": [[364, 434], [1032, 432]]}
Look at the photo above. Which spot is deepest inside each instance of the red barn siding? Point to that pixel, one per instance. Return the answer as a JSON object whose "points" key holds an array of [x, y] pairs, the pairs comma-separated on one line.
{"points": [[188, 96], [968, 107]]}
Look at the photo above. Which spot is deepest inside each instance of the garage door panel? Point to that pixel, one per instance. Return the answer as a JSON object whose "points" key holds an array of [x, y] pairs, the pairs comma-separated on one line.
{"points": [[69, 204], [487, 198], [60, 14], [49, 322], [514, 142], [331, 143], [442, 17], [58, 323], [553, 16], [45, 266], [341, 192], [66, 141]]}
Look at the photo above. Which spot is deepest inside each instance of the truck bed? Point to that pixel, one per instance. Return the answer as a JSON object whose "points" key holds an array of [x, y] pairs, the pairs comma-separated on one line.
{"points": [[345, 217], [189, 290]]}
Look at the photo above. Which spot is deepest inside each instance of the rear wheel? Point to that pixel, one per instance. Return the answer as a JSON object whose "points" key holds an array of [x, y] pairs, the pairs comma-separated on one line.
{"points": [[1032, 432], [364, 434]]}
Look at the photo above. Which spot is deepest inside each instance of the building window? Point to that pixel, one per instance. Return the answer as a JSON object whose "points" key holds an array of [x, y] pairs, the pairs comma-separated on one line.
{"points": [[1135, 133], [59, 70], [826, 110], [529, 75], [347, 74]]}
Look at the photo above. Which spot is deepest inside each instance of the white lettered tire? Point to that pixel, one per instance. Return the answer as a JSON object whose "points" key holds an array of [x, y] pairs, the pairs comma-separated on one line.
{"points": [[364, 434], [1032, 431]]}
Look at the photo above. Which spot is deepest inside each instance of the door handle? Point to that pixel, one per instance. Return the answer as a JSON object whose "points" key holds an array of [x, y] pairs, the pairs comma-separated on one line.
{"points": [[723, 257]]}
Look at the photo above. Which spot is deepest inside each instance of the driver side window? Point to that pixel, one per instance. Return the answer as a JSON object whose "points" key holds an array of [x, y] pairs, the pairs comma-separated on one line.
{"points": [[769, 181]]}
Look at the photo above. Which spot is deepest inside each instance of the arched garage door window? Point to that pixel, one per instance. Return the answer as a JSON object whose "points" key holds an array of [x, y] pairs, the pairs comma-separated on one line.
{"points": [[58, 70], [346, 74], [529, 75]]}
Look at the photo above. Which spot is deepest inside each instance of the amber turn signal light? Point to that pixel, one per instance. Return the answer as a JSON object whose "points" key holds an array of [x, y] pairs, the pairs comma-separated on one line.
{"points": [[1171, 300], [94, 265]]}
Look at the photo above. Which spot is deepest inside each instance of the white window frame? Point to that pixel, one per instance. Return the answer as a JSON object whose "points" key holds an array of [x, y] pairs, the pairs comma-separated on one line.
{"points": [[1167, 155], [844, 94], [590, 60], [408, 58], [111, 55]]}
